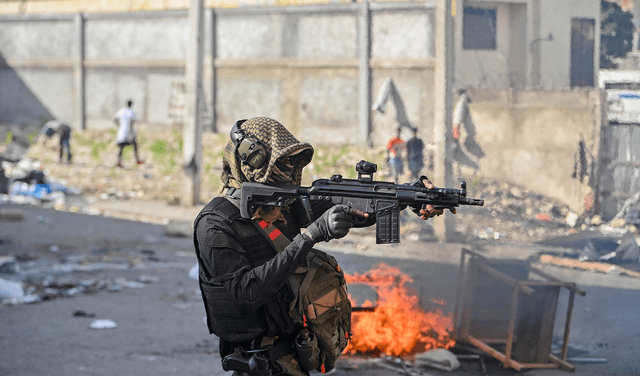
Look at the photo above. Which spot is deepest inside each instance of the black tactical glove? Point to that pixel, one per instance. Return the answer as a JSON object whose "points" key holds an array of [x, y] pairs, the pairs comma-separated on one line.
{"points": [[333, 224]]}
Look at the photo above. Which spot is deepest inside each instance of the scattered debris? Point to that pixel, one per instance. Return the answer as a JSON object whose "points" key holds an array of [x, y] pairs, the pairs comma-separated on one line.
{"points": [[397, 365], [630, 209], [128, 284], [572, 219], [9, 265], [621, 249], [587, 360], [83, 314], [103, 324], [194, 272], [438, 358], [543, 217], [628, 251], [10, 290], [149, 279], [23, 181], [587, 265], [596, 220], [36, 280], [14, 293]]}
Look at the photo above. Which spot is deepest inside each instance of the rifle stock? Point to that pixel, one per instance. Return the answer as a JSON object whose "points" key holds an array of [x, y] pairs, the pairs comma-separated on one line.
{"points": [[384, 200]]}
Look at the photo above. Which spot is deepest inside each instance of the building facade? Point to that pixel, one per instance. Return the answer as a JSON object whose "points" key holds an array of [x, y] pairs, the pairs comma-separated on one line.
{"points": [[528, 44]]}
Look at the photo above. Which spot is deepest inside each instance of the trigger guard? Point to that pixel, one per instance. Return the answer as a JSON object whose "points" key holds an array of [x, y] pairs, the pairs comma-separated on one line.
{"points": [[359, 220]]}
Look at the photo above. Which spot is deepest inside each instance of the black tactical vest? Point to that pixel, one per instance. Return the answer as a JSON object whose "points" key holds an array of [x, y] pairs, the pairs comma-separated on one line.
{"points": [[225, 318]]}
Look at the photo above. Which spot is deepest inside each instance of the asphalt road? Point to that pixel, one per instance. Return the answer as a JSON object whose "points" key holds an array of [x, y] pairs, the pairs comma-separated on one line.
{"points": [[160, 324]]}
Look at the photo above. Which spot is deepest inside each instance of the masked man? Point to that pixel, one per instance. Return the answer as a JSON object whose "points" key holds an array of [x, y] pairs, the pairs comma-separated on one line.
{"points": [[243, 279]]}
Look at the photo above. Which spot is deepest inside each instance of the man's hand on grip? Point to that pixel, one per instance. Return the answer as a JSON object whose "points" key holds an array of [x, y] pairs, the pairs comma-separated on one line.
{"points": [[334, 223]]}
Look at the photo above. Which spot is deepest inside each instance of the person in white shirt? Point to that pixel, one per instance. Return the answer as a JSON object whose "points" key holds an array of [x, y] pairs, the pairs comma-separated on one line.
{"points": [[467, 151], [124, 119]]}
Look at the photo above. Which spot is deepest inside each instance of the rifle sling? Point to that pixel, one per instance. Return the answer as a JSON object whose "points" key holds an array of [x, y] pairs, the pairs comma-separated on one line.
{"points": [[272, 234], [279, 242]]}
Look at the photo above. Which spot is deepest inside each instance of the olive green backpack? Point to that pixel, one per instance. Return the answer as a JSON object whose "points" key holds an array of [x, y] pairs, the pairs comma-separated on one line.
{"points": [[322, 307]]}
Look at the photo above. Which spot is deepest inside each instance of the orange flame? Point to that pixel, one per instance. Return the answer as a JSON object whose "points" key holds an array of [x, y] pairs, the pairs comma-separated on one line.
{"points": [[397, 326]]}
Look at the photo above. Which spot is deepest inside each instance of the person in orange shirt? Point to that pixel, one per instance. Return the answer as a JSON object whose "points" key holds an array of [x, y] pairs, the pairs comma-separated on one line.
{"points": [[395, 148]]}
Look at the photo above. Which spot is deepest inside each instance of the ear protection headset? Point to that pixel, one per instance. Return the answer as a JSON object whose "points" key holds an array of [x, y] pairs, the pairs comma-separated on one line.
{"points": [[248, 148]]}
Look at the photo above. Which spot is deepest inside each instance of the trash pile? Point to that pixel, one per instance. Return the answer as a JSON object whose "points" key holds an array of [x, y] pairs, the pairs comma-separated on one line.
{"points": [[611, 248], [630, 211], [22, 180], [514, 214], [437, 358], [622, 251]]}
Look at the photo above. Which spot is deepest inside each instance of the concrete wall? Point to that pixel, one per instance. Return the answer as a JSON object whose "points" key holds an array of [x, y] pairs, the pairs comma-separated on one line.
{"points": [[523, 56], [530, 138], [111, 6], [25, 44], [301, 65]]}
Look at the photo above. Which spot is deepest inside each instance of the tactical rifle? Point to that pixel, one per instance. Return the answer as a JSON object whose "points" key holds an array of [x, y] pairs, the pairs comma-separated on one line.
{"points": [[385, 200]]}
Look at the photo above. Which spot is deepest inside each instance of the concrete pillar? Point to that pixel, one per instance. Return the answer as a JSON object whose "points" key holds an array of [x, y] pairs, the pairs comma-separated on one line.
{"points": [[444, 226], [364, 84], [210, 73], [535, 45], [78, 73], [192, 131]]}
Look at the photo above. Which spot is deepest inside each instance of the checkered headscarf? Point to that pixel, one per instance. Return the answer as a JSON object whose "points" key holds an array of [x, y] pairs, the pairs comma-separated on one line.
{"points": [[278, 142]]}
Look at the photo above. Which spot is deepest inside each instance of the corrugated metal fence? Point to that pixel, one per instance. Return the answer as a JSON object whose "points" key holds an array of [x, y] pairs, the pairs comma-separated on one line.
{"points": [[620, 167]]}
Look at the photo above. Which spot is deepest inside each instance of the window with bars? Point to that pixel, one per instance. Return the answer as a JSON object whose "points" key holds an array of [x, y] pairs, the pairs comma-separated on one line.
{"points": [[479, 29]]}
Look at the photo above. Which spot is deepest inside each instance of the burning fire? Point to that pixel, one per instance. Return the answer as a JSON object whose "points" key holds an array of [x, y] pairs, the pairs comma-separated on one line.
{"points": [[397, 326]]}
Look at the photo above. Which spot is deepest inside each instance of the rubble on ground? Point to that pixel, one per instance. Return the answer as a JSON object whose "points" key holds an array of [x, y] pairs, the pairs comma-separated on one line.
{"points": [[28, 279], [514, 214]]}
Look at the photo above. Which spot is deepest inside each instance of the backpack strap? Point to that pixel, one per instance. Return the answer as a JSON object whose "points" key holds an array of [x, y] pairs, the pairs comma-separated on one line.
{"points": [[299, 289], [316, 262]]}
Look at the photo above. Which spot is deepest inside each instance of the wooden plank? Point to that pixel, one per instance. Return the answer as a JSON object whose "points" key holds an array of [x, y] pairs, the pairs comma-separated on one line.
{"points": [[586, 265]]}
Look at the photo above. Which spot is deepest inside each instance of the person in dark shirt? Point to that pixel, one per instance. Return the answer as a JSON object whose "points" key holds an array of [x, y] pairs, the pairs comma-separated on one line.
{"points": [[415, 159], [242, 274], [63, 130]]}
